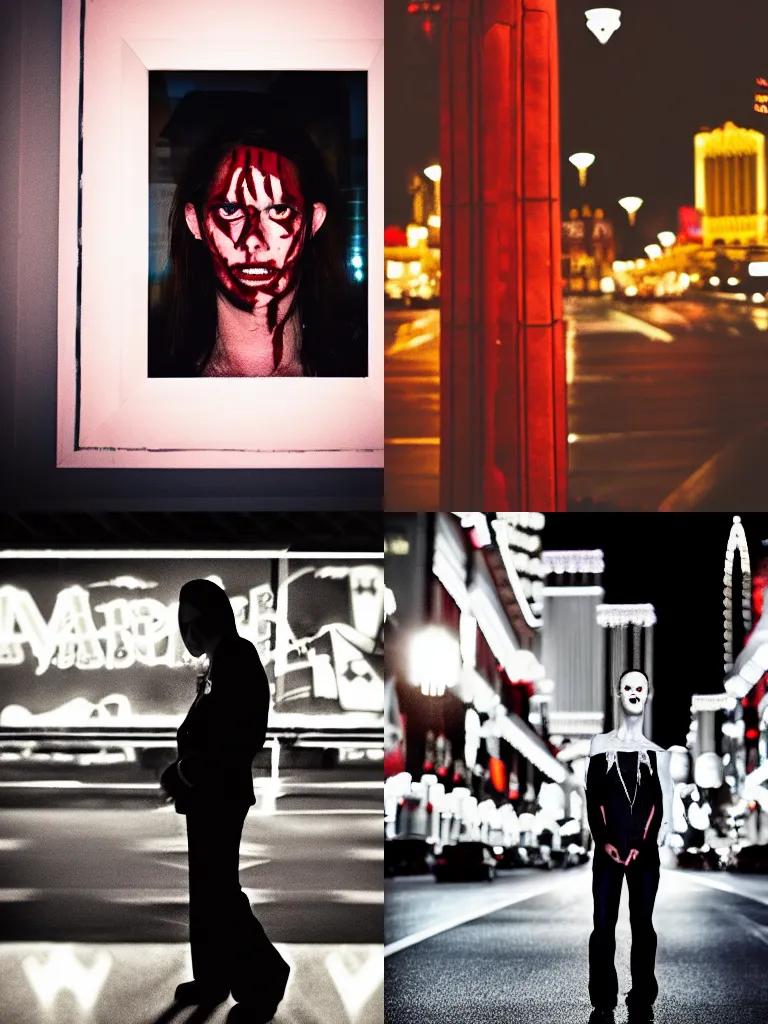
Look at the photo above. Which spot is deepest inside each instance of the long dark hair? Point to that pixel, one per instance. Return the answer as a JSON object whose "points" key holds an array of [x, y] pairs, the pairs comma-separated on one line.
{"points": [[212, 603], [334, 336]]}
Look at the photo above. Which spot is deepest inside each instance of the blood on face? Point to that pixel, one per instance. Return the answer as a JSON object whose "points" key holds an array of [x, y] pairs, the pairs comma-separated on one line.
{"points": [[255, 225]]}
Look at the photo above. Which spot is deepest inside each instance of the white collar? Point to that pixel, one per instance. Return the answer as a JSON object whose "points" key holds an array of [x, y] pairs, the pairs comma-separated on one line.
{"points": [[642, 758]]}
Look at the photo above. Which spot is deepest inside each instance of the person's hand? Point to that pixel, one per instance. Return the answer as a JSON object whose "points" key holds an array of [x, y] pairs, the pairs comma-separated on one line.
{"points": [[169, 780], [613, 853], [633, 853]]}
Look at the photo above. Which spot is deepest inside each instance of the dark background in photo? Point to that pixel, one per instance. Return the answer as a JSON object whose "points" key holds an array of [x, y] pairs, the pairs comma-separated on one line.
{"points": [[674, 562], [637, 101]]}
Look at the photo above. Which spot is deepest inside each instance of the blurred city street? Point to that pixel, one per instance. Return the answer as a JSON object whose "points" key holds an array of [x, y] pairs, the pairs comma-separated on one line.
{"points": [[412, 409], [666, 404], [656, 392], [521, 953]]}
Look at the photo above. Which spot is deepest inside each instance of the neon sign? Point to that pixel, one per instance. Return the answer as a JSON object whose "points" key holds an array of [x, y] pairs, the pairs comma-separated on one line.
{"points": [[761, 97], [316, 626]]}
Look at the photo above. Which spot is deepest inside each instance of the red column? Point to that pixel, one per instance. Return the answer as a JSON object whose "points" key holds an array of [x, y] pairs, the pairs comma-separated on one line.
{"points": [[503, 403]]}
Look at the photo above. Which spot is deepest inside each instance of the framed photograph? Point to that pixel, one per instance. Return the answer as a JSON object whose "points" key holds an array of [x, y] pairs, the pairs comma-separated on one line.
{"points": [[221, 218]]}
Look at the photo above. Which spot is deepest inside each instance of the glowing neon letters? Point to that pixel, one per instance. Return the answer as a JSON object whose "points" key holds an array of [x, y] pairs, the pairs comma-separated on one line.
{"points": [[86, 632]]}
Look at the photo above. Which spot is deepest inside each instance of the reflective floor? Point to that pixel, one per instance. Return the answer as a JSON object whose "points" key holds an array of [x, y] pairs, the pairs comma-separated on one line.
{"points": [[94, 904], [121, 983]]}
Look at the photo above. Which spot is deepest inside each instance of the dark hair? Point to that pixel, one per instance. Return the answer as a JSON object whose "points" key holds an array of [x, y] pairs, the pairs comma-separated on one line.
{"points": [[334, 336], [212, 603]]}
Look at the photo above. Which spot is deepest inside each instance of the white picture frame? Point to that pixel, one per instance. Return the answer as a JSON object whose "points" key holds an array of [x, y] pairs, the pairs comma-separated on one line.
{"points": [[110, 412]]}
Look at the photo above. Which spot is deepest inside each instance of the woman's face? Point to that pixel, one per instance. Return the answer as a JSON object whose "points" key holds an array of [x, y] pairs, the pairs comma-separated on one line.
{"points": [[255, 224], [633, 693], [190, 622]]}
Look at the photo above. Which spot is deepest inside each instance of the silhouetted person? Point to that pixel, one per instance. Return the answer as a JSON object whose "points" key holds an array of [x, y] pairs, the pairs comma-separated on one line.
{"points": [[212, 784]]}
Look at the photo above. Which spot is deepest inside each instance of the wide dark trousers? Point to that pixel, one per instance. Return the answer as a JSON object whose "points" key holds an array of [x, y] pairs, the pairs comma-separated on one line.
{"points": [[229, 948], [642, 883]]}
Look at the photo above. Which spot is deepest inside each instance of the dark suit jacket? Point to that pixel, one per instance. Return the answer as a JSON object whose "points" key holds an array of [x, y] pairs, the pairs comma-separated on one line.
{"points": [[223, 732], [625, 826]]}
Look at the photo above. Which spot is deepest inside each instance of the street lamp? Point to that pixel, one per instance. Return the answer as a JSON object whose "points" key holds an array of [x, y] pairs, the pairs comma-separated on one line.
{"points": [[631, 204], [582, 161], [435, 660], [667, 238], [602, 22], [435, 172]]}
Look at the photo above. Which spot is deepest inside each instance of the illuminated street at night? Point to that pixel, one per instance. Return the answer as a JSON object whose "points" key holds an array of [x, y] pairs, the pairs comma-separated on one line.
{"points": [[529, 656], [124, 877], [700, 367], [528, 961], [660, 268], [699, 364], [412, 410], [105, 692]]}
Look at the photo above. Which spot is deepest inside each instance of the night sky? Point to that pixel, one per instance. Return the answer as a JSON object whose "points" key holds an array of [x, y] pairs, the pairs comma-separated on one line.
{"points": [[675, 562], [673, 67]]}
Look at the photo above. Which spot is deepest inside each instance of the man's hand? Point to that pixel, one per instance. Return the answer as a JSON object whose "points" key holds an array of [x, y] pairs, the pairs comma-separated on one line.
{"points": [[633, 853], [613, 853]]}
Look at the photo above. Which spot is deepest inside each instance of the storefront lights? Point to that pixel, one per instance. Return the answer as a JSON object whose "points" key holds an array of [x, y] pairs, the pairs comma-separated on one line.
{"points": [[611, 616], [468, 639], [415, 234], [435, 662], [574, 561]]}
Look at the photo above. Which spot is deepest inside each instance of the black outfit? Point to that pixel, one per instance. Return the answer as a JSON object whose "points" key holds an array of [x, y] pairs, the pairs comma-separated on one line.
{"points": [[212, 784], [626, 827]]}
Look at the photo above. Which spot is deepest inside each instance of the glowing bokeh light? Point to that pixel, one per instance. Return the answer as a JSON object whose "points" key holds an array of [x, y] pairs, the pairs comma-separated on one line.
{"points": [[631, 204], [581, 161]]}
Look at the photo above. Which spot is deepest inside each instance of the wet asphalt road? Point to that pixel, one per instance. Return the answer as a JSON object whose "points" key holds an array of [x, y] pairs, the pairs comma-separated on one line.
{"points": [[656, 391], [527, 963]]}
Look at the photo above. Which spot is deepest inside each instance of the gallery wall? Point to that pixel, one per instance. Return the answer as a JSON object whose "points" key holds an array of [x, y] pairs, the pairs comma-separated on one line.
{"points": [[30, 41]]}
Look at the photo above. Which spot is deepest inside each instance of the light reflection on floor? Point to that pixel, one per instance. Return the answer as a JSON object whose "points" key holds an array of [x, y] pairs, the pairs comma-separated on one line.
{"points": [[121, 983]]}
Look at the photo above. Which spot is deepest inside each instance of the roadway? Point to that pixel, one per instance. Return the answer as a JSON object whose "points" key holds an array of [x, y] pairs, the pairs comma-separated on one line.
{"points": [[666, 405], [516, 950], [412, 409], [95, 902]]}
